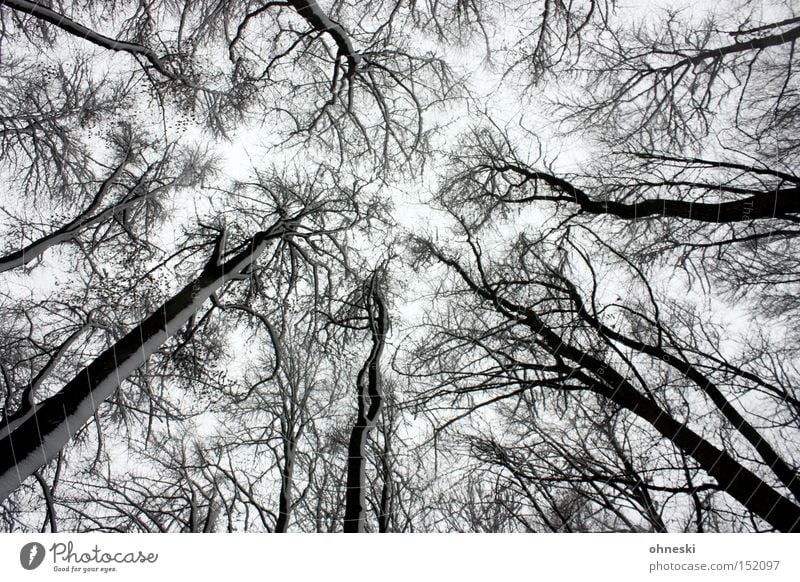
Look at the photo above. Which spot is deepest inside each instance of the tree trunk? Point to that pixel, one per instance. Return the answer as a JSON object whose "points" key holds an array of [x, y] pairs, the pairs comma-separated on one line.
{"points": [[285, 497], [36, 438], [370, 399]]}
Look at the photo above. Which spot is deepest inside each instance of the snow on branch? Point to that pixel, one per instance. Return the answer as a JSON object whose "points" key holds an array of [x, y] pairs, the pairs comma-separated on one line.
{"points": [[321, 22]]}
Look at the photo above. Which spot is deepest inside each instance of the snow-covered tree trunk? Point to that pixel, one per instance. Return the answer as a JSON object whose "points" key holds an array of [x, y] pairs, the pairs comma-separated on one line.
{"points": [[30, 441], [370, 399]]}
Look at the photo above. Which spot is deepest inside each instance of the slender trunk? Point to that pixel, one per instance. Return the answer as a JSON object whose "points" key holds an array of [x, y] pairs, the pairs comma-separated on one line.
{"points": [[698, 505], [738, 481], [285, 498], [64, 234], [370, 398], [733, 477], [211, 517], [67, 232], [354, 497], [48, 500], [385, 511]]}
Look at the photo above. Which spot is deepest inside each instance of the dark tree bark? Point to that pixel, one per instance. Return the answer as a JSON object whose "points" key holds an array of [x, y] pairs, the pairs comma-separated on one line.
{"points": [[370, 399], [768, 454], [285, 496], [598, 376], [780, 203]]}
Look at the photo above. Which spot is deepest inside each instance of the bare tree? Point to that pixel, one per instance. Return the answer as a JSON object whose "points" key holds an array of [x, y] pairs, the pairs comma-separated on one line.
{"points": [[539, 332], [592, 308], [726, 221], [370, 400], [673, 78]]}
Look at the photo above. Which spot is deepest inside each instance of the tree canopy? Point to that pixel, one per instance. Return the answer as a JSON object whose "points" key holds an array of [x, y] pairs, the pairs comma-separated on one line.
{"points": [[399, 266]]}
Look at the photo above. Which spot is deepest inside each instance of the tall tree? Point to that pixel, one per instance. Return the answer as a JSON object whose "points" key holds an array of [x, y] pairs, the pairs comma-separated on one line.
{"points": [[369, 393], [538, 331]]}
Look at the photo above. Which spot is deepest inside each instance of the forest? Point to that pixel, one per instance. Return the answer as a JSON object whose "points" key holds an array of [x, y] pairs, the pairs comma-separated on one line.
{"points": [[399, 266]]}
